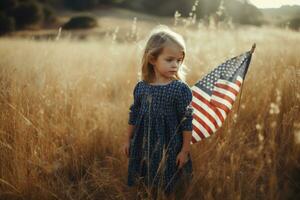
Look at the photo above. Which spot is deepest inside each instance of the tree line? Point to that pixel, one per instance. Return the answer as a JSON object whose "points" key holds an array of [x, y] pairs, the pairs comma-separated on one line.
{"points": [[19, 14]]}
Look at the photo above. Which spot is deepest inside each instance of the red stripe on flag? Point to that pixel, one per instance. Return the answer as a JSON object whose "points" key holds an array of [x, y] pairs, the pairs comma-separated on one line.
{"points": [[223, 96], [199, 97], [203, 123], [227, 87], [220, 105], [207, 115], [238, 83], [194, 140], [199, 133]]}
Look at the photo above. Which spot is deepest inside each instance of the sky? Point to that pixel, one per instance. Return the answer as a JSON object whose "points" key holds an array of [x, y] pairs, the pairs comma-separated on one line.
{"points": [[273, 3]]}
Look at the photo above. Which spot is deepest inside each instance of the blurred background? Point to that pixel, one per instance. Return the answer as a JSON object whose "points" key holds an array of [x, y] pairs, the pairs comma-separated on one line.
{"points": [[103, 15]]}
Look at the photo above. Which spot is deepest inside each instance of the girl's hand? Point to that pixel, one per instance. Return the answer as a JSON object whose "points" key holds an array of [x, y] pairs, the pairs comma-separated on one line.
{"points": [[181, 159], [126, 148]]}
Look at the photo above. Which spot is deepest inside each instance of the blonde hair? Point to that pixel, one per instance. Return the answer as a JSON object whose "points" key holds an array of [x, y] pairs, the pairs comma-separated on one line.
{"points": [[158, 39]]}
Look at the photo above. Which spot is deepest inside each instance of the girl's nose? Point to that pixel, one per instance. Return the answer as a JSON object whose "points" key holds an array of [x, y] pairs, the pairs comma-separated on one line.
{"points": [[175, 64]]}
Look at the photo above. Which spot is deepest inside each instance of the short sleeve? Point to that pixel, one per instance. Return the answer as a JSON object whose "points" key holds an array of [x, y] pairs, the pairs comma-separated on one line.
{"points": [[184, 108], [134, 107]]}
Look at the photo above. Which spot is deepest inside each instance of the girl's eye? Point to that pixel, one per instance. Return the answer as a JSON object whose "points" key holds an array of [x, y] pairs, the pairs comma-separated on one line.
{"points": [[170, 60], [179, 61]]}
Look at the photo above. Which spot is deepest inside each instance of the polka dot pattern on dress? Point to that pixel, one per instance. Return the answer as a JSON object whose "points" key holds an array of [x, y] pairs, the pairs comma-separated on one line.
{"points": [[160, 113]]}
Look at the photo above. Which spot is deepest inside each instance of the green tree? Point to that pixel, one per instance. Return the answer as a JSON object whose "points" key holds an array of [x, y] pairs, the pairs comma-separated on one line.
{"points": [[81, 22], [7, 24], [294, 23], [81, 4], [7, 4], [27, 13]]}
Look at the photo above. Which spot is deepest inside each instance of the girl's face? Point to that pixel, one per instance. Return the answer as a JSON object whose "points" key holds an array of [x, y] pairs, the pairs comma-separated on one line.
{"points": [[168, 62]]}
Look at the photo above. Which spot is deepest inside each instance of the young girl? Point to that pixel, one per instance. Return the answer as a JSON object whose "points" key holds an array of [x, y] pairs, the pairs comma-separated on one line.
{"points": [[160, 118]]}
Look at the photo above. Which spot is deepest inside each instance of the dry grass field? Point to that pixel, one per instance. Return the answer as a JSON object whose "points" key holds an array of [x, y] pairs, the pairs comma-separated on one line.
{"points": [[64, 109]]}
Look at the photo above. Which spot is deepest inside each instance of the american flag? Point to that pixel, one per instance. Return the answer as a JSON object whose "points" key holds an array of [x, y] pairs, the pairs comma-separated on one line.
{"points": [[215, 93]]}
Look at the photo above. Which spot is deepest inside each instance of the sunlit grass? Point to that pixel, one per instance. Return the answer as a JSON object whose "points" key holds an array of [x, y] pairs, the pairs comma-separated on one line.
{"points": [[64, 109]]}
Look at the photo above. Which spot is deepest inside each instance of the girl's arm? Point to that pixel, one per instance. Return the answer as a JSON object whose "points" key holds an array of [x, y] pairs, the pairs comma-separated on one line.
{"points": [[182, 157], [127, 139], [187, 137], [185, 113], [133, 115], [130, 132]]}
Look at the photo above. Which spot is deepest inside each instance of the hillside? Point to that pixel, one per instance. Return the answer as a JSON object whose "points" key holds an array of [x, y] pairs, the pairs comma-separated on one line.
{"points": [[278, 15]]}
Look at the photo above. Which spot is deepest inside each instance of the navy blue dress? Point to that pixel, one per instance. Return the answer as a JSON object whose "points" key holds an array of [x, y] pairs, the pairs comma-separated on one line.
{"points": [[160, 113]]}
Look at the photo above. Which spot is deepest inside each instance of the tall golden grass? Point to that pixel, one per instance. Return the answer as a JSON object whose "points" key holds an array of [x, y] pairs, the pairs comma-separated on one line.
{"points": [[64, 110]]}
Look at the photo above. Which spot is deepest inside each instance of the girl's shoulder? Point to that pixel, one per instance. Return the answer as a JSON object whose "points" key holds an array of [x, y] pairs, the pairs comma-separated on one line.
{"points": [[138, 86], [179, 85], [183, 90], [182, 85]]}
